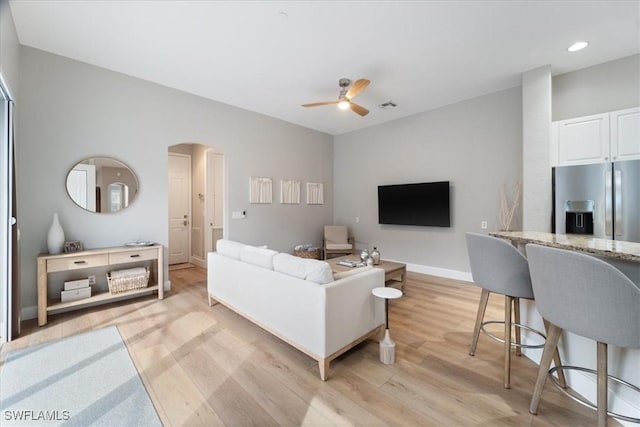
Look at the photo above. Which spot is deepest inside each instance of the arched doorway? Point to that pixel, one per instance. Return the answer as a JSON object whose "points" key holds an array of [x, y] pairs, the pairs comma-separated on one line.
{"points": [[196, 202]]}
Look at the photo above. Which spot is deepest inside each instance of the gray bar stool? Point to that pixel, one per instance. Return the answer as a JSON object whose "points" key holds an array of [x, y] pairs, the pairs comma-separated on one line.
{"points": [[604, 306], [498, 267]]}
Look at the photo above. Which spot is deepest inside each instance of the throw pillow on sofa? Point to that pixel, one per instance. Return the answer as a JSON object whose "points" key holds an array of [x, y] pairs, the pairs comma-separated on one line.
{"points": [[229, 248], [258, 256], [303, 268]]}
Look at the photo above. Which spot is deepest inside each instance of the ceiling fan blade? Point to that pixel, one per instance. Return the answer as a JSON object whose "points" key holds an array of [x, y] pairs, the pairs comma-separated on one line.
{"points": [[357, 87], [317, 104], [358, 109]]}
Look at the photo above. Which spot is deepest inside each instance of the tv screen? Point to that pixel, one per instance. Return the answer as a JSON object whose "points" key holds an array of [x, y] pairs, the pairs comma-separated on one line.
{"points": [[424, 204]]}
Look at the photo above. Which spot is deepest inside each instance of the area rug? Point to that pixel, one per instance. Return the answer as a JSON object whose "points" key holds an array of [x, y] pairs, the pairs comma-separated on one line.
{"points": [[82, 380]]}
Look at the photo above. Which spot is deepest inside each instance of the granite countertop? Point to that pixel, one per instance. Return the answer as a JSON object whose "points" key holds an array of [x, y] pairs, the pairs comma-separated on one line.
{"points": [[628, 251]]}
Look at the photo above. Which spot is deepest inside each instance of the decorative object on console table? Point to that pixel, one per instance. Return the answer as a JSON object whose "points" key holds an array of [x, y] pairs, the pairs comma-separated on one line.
{"points": [[72, 246], [55, 236], [127, 280]]}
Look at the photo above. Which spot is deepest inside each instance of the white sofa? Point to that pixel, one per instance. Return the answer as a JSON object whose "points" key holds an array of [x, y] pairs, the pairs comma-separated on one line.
{"points": [[297, 299]]}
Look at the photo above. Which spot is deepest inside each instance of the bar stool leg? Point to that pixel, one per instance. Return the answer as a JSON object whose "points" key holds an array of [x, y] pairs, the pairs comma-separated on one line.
{"points": [[482, 307], [507, 340], [602, 384], [550, 347], [556, 360], [516, 319]]}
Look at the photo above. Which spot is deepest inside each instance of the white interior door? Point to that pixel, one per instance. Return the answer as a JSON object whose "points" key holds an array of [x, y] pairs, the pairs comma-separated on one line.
{"points": [[81, 185], [179, 208]]}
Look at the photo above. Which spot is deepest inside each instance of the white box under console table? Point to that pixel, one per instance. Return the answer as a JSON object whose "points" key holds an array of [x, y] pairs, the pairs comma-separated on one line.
{"points": [[89, 259]]}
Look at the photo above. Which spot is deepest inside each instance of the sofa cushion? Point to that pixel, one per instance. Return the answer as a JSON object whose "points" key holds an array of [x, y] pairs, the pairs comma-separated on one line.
{"points": [[229, 248], [303, 268], [342, 274], [321, 274], [338, 246], [257, 256]]}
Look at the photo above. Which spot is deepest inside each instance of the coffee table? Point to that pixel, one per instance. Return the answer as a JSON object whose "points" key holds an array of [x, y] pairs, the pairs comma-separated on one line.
{"points": [[395, 273]]}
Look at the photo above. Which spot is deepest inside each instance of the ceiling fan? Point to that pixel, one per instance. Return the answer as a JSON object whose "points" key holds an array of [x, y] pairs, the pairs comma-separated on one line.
{"points": [[348, 91]]}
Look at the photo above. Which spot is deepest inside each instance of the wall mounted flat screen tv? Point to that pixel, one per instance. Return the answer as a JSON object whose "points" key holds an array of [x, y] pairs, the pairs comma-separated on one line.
{"points": [[424, 204]]}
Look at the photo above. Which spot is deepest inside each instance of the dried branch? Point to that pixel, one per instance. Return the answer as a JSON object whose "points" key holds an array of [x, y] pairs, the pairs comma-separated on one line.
{"points": [[508, 211]]}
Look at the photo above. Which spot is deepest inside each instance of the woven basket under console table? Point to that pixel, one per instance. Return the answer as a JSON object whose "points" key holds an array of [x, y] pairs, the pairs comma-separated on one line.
{"points": [[127, 282]]}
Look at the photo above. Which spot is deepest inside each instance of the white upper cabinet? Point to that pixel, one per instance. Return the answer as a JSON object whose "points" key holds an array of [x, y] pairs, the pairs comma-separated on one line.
{"points": [[625, 134], [599, 138], [583, 140]]}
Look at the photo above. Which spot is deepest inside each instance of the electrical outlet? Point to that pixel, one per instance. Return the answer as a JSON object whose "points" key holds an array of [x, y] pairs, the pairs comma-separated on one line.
{"points": [[483, 225], [92, 280], [357, 219]]}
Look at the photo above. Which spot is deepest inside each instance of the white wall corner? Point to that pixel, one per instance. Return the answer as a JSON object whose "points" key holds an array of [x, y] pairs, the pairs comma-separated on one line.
{"points": [[536, 149], [28, 313]]}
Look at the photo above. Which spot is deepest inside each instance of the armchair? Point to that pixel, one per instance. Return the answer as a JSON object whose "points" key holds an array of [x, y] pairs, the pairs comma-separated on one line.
{"points": [[337, 241]]}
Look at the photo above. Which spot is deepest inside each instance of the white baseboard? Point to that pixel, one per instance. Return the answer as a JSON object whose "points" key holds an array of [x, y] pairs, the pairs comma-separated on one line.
{"points": [[440, 272], [198, 261]]}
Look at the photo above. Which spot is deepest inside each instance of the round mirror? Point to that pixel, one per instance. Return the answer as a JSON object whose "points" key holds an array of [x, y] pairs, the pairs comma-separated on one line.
{"points": [[102, 184]]}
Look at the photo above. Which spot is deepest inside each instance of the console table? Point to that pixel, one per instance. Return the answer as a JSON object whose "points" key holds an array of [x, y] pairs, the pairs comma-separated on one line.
{"points": [[89, 259]]}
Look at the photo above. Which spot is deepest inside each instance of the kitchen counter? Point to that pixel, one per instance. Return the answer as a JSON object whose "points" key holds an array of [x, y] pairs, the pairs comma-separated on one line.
{"points": [[626, 251]]}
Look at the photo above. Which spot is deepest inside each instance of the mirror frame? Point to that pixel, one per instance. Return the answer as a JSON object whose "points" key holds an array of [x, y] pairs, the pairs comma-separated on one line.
{"points": [[100, 193]]}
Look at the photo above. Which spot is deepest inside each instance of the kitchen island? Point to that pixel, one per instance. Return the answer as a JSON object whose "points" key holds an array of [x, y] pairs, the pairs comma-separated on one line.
{"points": [[577, 350], [616, 249]]}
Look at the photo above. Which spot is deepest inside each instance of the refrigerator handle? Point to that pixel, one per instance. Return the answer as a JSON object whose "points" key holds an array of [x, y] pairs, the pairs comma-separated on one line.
{"points": [[617, 200], [608, 206]]}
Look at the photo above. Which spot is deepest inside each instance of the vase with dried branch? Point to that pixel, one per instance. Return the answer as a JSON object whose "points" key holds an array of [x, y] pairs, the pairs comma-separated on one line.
{"points": [[508, 210]]}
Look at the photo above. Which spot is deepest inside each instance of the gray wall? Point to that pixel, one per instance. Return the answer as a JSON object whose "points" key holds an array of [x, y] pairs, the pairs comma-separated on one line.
{"points": [[604, 87], [70, 110], [9, 49], [475, 144]]}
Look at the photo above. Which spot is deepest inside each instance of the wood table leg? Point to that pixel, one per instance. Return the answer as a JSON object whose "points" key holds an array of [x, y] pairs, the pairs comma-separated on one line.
{"points": [[42, 292]]}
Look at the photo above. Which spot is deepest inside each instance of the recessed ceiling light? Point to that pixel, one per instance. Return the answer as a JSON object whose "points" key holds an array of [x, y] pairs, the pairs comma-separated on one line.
{"points": [[577, 46]]}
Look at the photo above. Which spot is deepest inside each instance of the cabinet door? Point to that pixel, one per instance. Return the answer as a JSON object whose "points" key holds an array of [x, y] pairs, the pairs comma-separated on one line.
{"points": [[625, 134], [583, 140]]}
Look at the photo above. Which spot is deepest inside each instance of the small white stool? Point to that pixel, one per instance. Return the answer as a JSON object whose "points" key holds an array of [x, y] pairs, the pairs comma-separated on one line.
{"points": [[387, 346]]}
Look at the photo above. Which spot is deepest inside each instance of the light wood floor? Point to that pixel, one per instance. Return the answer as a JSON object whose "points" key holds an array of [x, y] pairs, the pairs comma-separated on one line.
{"points": [[208, 366]]}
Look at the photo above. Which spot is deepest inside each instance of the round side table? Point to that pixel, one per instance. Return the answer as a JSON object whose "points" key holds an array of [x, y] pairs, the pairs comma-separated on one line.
{"points": [[387, 346]]}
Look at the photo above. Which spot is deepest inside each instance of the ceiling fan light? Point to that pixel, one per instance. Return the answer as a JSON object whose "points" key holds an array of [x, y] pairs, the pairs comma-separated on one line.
{"points": [[343, 105]]}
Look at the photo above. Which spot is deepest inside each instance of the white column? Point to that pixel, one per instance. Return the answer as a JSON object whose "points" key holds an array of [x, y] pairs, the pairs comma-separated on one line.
{"points": [[536, 155]]}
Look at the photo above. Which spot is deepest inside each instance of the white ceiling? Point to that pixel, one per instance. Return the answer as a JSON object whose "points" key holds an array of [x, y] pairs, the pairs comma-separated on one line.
{"points": [[421, 55]]}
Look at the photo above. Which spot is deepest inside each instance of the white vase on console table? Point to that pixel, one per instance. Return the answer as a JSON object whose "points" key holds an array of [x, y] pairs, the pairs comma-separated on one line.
{"points": [[55, 236]]}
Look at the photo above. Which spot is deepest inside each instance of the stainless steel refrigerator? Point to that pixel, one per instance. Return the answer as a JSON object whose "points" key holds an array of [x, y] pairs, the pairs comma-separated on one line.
{"points": [[601, 200]]}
